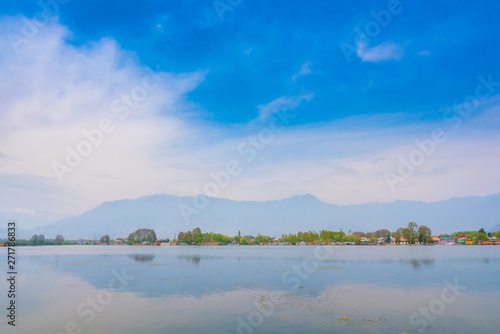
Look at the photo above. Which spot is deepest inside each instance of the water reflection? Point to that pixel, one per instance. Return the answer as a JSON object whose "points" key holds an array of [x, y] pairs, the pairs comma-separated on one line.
{"points": [[142, 257], [195, 259], [376, 288], [419, 263], [345, 308]]}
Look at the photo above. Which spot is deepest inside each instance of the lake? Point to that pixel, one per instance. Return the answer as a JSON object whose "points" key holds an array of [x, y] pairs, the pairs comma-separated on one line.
{"points": [[255, 289]]}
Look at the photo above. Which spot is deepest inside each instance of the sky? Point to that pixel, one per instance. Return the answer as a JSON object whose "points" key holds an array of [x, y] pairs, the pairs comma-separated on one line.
{"points": [[372, 101]]}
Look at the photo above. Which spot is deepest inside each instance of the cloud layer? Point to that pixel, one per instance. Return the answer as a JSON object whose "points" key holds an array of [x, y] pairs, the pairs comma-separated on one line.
{"points": [[57, 92]]}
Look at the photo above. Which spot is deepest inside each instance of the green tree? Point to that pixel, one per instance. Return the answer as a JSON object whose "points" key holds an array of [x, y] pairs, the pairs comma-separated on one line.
{"points": [[398, 234], [468, 234], [34, 240], [388, 238], [406, 234], [381, 233], [412, 232], [196, 233], [482, 231], [104, 239], [41, 239], [291, 238], [399, 231], [482, 236], [180, 236], [424, 234], [142, 235], [352, 238], [260, 239], [187, 238], [59, 240], [226, 239]]}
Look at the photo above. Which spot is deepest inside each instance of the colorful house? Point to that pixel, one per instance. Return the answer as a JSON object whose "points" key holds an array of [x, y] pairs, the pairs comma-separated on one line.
{"points": [[436, 239], [446, 241], [470, 241]]}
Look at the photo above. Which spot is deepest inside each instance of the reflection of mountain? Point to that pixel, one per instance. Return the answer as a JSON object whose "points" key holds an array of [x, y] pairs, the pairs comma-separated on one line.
{"points": [[162, 213], [195, 271], [385, 303]]}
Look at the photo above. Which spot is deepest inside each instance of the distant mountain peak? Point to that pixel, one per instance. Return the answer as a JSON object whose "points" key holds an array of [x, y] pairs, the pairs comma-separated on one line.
{"points": [[163, 213], [495, 228], [307, 197], [159, 196]]}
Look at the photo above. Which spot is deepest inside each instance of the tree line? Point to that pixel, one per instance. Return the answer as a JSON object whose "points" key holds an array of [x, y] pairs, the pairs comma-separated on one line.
{"points": [[412, 233], [39, 240]]}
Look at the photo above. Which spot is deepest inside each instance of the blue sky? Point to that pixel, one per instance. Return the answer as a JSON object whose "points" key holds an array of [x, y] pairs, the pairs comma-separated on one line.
{"points": [[262, 39], [225, 77]]}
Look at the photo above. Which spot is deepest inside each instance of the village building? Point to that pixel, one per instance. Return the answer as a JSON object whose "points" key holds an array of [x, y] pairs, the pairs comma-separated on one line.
{"points": [[447, 241]]}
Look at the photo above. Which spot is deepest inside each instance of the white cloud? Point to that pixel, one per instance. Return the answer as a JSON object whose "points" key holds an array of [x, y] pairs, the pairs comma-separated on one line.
{"points": [[424, 53], [56, 90], [284, 103], [381, 52], [305, 69]]}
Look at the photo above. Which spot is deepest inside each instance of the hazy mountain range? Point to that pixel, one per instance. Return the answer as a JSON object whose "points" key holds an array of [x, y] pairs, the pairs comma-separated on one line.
{"points": [[300, 213]]}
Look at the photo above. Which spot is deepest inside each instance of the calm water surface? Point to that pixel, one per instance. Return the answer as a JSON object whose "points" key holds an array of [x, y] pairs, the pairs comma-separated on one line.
{"points": [[256, 289]]}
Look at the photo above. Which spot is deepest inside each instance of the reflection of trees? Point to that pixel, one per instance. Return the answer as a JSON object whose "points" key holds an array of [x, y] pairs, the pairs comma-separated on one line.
{"points": [[195, 259], [419, 263], [142, 257]]}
